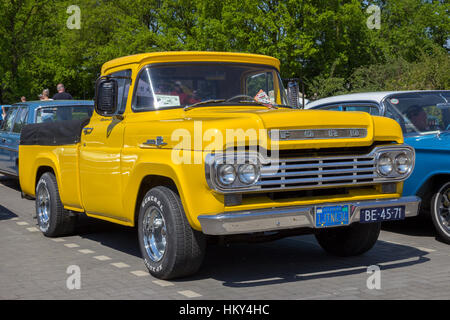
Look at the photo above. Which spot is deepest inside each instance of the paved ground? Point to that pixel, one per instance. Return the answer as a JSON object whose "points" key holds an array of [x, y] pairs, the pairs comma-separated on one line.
{"points": [[414, 265]]}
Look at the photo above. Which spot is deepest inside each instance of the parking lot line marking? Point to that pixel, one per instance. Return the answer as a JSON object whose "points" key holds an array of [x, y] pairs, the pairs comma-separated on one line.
{"points": [[33, 229], [260, 280], [140, 273], [58, 240], [86, 251], [102, 258], [22, 223], [120, 265], [399, 261], [189, 294], [331, 271], [163, 283], [71, 245], [426, 249]]}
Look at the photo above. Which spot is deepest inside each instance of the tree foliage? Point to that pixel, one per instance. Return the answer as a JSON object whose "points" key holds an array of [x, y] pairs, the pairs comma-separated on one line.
{"points": [[325, 42]]}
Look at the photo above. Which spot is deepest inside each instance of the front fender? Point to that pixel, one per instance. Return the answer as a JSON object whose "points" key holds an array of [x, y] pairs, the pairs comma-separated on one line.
{"points": [[429, 163], [195, 195]]}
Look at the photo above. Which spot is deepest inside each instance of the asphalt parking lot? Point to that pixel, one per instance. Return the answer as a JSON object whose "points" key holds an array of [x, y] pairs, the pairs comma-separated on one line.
{"points": [[413, 264]]}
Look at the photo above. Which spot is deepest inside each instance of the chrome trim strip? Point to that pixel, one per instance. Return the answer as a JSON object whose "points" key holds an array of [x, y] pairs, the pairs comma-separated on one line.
{"points": [[9, 149], [282, 218], [315, 134]]}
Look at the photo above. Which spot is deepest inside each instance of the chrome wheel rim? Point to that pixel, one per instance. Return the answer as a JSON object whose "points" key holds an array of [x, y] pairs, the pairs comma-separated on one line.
{"points": [[443, 209], [154, 233], [43, 207]]}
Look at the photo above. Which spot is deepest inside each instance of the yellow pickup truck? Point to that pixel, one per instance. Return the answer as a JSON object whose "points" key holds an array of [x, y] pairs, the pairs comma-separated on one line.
{"points": [[190, 146]]}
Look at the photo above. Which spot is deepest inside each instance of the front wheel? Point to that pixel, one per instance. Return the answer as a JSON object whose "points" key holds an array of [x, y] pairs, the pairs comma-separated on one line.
{"points": [[169, 246], [353, 240], [440, 212]]}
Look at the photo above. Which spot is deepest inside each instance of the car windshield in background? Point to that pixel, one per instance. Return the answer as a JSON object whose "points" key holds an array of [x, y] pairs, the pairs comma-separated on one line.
{"points": [[182, 85], [63, 113], [420, 112]]}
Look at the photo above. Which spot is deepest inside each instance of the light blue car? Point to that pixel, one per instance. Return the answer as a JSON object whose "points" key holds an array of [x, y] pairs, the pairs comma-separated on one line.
{"points": [[20, 114], [424, 117]]}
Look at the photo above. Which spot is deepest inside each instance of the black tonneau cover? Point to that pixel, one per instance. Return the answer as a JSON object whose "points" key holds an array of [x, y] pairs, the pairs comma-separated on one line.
{"points": [[53, 133]]}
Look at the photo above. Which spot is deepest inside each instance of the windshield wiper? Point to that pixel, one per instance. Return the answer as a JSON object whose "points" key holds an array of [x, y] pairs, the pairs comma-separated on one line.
{"points": [[268, 105], [192, 106]]}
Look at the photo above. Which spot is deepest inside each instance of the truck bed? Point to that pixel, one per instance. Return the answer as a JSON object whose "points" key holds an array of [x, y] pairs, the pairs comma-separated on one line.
{"points": [[52, 147]]}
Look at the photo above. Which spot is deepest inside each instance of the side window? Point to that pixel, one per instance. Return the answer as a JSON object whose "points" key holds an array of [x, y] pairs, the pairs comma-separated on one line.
{"points": [[369, 109], [124, 88], [335, 108], [9, 119], [21, 119], [372, 110], [144, 96], [404, 122]]}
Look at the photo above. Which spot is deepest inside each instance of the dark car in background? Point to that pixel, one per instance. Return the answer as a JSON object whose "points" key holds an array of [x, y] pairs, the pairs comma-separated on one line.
{"points": [[20, 114]]}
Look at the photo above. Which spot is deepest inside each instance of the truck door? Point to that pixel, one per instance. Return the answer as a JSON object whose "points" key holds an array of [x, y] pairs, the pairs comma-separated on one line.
{"points": [[100, 161], [6, 152]]}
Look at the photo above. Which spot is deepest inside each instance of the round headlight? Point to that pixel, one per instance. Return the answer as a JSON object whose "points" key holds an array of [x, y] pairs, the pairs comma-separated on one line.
{"points": [[385, 165], [248, 173], [402, 163], [226, 174]]}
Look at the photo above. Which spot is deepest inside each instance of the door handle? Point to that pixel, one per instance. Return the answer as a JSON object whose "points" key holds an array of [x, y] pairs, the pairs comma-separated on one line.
{"points": [[88, 130]]}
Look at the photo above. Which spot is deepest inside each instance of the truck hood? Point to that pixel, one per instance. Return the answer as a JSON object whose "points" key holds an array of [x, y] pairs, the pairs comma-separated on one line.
{"points": [[172, 125]]}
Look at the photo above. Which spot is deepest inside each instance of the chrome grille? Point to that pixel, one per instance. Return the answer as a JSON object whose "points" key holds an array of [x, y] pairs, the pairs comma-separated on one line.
{"points": [[323, 172]]}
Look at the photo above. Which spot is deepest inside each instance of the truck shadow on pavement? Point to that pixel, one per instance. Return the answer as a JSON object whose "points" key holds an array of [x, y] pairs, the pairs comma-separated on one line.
{"points": [[6, 214], [259, 264], [297, 259], [10, 182]]}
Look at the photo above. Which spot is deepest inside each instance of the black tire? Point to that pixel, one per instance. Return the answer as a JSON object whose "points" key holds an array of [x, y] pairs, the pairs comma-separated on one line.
{"points": [[441, 199], [59, 221], [353, 240], [184, 247]]}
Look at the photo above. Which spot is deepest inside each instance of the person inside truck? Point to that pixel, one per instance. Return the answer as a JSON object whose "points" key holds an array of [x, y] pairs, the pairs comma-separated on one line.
{"points": [[185, 94], [418, 117]]}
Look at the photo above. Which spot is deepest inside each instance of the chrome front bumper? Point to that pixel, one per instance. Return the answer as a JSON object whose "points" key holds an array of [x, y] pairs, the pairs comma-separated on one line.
{"points": [[282, 218]]}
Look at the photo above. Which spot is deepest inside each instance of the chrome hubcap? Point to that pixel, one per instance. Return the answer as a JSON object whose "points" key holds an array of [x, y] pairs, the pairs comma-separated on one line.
{"points": [[43, 207], [443, 209], [155, 233]]}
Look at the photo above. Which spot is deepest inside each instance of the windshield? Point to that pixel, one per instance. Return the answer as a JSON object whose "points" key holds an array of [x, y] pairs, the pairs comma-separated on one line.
{"points": [[182, 85], [420, 112], [63, 113]]}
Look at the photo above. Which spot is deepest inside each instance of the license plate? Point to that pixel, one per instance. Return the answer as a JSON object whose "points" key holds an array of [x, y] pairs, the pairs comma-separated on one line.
{"points": [[382, 214], [331, 216]]}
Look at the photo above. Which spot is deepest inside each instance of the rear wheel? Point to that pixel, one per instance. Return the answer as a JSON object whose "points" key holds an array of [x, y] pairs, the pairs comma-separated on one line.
{"points": [[169, 246], [52, 219], [440, 212], [353, 240]]}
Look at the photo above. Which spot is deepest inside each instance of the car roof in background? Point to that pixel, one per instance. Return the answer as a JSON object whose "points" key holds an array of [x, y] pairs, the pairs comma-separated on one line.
{"points": [[362, 96], [51, 103]]}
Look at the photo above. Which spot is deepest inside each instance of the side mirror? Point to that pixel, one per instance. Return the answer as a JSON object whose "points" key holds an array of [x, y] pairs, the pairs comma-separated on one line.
{"points": [[106, 97], [293, 93]]}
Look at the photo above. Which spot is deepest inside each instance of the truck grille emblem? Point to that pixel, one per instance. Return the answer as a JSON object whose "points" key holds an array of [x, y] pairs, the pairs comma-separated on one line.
{"points": [[305, 134]]}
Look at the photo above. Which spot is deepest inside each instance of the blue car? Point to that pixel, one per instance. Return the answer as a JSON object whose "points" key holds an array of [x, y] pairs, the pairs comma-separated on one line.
{"points": [[20, 114], [424, 117]]}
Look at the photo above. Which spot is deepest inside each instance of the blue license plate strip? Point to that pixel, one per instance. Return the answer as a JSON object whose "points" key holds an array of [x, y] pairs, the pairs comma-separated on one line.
{"points": [[371, 215], [332, 216]]}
